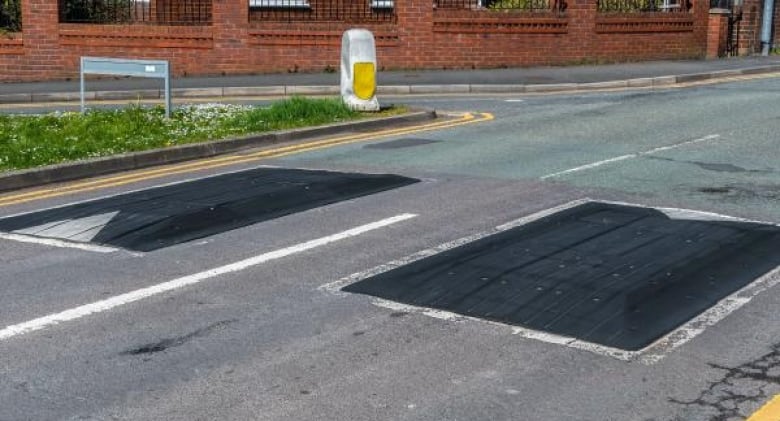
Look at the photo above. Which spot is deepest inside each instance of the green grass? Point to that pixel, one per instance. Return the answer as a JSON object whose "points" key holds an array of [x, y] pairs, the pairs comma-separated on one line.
{"points": [[31, 141]]}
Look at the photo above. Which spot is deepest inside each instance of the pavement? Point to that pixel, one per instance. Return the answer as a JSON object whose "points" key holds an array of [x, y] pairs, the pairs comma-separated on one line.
{"points": [[515, 80]]}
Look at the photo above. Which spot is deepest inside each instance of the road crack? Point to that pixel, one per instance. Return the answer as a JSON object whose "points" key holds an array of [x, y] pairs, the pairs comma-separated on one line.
{"points": [[739, 391]]}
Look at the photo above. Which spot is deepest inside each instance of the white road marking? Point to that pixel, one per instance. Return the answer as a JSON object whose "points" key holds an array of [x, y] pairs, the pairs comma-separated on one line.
{"points": [[648, 355], [78, 229], [630, 156], [56, 243], [139, 294], [514, 100]]}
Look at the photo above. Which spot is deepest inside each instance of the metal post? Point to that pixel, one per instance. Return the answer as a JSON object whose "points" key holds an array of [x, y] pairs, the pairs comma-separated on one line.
{"points": [[81, 74], [766, 27], [168, 90]]}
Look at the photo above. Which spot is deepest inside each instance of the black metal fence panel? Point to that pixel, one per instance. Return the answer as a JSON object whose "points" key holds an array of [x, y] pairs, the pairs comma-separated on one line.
{"points": [[351, 11], [10, 15], [722, 4], [632, 6], [163, 12]]}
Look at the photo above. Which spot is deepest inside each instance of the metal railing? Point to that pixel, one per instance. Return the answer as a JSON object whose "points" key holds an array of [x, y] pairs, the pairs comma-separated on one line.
{"points": [[161, 12], [10, 15], [643, 6], [500, 5], [350, 11], [724, 4]]}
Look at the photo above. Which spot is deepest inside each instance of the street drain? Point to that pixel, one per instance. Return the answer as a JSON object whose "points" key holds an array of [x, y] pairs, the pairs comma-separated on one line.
{"points": [[161, 217], [614, 275], [401, 143]]}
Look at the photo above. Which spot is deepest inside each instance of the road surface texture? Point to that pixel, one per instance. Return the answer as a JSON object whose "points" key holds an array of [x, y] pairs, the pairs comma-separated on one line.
{"points": [[251, 323]]}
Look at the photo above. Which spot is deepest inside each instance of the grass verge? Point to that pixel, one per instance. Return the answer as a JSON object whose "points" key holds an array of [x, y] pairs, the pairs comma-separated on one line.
{"points": [[28, 141]]}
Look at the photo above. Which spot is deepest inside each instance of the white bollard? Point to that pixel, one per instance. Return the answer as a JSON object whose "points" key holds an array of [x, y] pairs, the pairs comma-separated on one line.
{"points": [[358, 70]]}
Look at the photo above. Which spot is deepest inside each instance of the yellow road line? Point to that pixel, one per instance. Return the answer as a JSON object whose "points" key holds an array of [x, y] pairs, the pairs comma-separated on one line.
{"points": [[769, 412], [218, 162]]}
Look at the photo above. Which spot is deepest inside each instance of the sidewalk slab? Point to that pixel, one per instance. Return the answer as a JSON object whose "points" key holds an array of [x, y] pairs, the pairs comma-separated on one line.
{"points": [[394, 82]]}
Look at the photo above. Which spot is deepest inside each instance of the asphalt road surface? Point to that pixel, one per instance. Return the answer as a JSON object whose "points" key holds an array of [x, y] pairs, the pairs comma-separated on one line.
{"points": [[250, 324]]}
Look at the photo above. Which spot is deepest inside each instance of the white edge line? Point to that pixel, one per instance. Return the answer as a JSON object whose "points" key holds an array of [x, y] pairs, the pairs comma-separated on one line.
{"points": [[57, 243], [630, 156], [692, 328], [648, 355], [681, 213], [515, 330], [139, 294]]}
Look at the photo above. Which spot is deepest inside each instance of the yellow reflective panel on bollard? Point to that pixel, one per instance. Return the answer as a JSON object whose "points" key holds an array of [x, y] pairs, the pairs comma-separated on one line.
{"points": [[364, 80]]}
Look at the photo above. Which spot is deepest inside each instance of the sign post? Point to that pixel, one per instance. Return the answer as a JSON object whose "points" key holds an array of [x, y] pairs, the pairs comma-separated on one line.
{"points": [[158, 69]]}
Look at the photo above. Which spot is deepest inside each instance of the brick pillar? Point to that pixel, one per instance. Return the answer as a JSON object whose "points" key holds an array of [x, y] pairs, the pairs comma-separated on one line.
{"points": [[415, 31], [776, 21], [582, 16], [717, 33], [40, 28], [230, 27]]}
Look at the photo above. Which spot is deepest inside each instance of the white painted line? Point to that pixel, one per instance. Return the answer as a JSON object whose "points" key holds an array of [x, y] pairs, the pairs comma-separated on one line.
{"points": [[56, 243], [630, 156], [514, 100], [649, 355], [677, 145], [82, 229], [714, 314], [680, 213], [589, 166], [139, 294]]}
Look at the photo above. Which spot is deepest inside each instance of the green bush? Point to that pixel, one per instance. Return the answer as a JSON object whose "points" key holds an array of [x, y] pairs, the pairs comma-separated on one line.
{"points": [[628, 6], [519, 5], [10, 16], [98, 11]]}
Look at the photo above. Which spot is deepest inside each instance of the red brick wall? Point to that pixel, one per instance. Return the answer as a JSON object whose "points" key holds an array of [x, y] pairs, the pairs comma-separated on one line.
{"points": [[421, 37], [776, 30], [717, 33], [749, 27]]}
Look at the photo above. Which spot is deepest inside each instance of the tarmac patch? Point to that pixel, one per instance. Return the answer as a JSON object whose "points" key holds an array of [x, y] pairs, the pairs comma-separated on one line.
{"points": [[401, 143], [164, 216], [618, 276]]}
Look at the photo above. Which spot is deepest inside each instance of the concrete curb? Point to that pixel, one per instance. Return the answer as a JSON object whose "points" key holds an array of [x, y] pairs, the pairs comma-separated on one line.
{"points": [[131, 161], [275, 91]]}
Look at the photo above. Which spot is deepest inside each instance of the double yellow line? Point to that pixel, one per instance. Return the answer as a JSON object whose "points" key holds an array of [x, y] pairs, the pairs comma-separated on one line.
{"points": [[211, 163], [769, 412]]}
